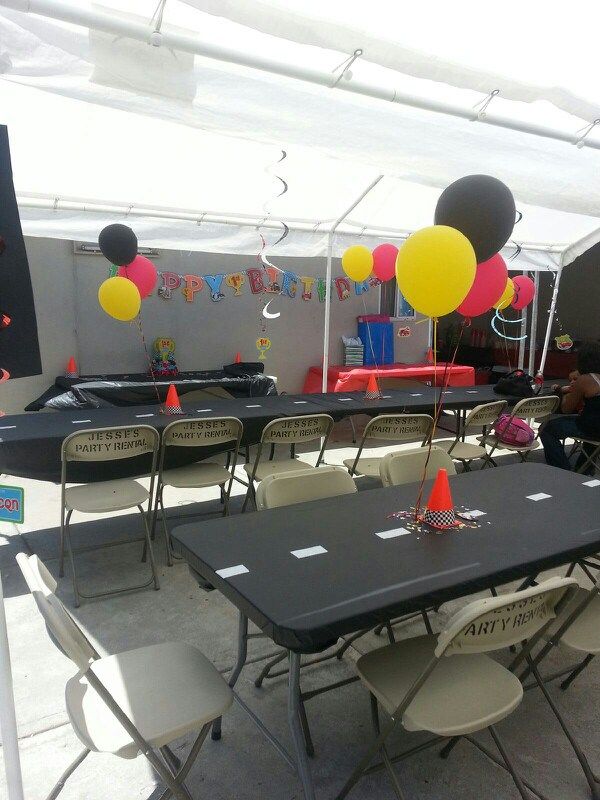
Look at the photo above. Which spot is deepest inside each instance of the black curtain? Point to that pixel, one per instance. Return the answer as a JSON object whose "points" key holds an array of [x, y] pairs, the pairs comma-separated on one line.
{"points": [[19, 345]]}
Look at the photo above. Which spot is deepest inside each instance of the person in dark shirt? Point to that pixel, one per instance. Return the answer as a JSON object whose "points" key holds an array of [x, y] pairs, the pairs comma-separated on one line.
{"points": [[582, 395]]}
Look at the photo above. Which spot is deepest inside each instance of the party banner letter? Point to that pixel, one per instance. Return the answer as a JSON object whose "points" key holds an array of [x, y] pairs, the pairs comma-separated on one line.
{"points": [[307, 284], [214, 284], [361, 288], [289, 284], [193, 284], [342, 286], [255, 277], [321, 289], [170, 280], [236, 281]]}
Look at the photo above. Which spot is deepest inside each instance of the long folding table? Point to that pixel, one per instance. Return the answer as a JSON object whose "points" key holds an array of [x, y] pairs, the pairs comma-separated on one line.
{"points": [[337, 566], [30, 443]]}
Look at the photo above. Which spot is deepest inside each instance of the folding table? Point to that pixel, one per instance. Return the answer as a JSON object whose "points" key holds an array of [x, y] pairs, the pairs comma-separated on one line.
{"points": [[308, 577]]}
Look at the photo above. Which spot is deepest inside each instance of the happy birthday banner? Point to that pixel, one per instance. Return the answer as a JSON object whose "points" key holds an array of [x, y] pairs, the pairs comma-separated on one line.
{"points": [[268, 280]]}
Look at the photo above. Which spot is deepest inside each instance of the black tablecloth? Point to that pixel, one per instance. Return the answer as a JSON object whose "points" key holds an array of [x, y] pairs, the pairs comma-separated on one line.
{"points": [[362, 579], [101, 391]]}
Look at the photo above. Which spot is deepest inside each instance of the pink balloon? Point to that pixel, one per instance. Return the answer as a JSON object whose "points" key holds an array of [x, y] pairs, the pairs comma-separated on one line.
{"points": [[384, 261], [487, 288], [142, 272], [524, 292]]}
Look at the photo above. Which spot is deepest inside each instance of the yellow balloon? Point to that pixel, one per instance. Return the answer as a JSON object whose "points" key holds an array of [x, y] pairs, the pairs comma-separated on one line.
{"points": [[435, 269], [507, 296], [120, 298], [357, 263]]}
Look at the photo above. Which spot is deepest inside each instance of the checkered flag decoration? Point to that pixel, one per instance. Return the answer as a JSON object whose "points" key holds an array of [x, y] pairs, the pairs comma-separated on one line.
{"points": [[372, 392], [439, 512], [172, 404]]}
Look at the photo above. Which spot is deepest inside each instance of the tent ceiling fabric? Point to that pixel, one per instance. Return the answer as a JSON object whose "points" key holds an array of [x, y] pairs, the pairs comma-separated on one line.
{"points": [[133, 124]]}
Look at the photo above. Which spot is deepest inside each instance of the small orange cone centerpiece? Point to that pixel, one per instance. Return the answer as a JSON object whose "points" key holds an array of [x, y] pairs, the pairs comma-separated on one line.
{"points": [[238, 358], [429, 355], [71, 370], [372, 392], [439, 512], [172, 404]]}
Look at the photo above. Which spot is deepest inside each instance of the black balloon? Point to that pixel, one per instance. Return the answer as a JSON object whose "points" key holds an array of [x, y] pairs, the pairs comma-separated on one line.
{"points": [[480, 207], [118, 244]]}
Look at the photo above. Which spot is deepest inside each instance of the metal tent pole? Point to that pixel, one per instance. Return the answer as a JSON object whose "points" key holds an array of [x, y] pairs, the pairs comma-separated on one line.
{"points": [[138, 28], [551, 317], [8, 721], [328, 277], [533, 329]]}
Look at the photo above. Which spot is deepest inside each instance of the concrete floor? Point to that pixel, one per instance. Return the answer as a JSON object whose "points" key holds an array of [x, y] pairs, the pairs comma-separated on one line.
{"points": [[243, 765]]}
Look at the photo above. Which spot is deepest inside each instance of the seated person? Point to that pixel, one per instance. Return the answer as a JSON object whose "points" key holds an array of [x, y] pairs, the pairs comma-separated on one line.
{"points": [[580, 407]]}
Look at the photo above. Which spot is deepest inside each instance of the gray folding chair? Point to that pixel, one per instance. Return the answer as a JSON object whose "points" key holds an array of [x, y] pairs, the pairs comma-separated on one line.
{"points": [[407, 466], [590, 449], [106, 497], [530, 408], [480, 417], [138, 701], [198, 433], [287, 431], [448, 685], [389, 428]]}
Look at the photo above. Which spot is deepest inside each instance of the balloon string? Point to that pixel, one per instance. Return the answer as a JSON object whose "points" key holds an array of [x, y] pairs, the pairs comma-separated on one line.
{"points": [[439, 403], [148, 359]]}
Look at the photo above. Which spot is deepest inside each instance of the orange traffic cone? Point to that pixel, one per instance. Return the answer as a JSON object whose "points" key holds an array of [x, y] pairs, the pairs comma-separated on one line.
{"points": [[439, 512], [71, 370], [429, 355], [238, 358], [372, 392], [172, 404]]}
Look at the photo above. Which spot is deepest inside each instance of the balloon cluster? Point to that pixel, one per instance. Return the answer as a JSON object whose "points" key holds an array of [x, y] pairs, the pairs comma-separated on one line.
{"points": [[121, 295], [455, 264]]}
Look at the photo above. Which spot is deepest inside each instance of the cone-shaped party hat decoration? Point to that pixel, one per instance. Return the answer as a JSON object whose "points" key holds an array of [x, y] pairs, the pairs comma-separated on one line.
{"points": [[172, 404], [439, 512], [71, 370], [372, 392], [429, 355], [238, 358]]}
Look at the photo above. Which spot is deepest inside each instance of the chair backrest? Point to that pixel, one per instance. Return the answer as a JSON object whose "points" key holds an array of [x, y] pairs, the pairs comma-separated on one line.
{"points": [[295, 430], [302, 486], [202, 432], [62, 628], [536, 407], [399, 427], [108, 444], [485, 414], [400, 383], [407, 466], [498, 622]]}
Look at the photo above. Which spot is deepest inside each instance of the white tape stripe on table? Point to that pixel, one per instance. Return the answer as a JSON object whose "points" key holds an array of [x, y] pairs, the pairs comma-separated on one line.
{"points": [[307, 552], [254, 406], [200, 410], [393, 533], [79, 421], [538, 496], [594, 482], [140, 416], [229, 572], [6, 427]]}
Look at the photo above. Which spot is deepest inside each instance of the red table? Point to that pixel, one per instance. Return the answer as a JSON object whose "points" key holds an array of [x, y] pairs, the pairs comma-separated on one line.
{"points": [[352, 379]]}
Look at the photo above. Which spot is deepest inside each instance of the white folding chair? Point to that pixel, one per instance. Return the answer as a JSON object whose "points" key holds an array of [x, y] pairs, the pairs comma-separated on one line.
{"points": [[530, 408], [448, 685], [407, 466], [480, 417], [389, 428], [198, 433], [287, 431], [302, 486], [138, 701], [590, 450], [106, 497]]}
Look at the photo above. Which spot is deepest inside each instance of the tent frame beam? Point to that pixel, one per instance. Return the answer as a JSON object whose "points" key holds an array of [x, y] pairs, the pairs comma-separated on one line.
{"points": [[140, 30]]}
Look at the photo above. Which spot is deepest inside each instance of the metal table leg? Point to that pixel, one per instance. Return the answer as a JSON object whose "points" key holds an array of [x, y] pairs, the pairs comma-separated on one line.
{"points": [[295, 723], [239, 666]]}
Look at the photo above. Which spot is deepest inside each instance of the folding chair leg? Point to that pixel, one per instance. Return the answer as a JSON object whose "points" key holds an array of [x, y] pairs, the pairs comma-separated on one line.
{"points": [[391, 773], [589, 775], [390, 633], [577, 671], [60, 783], [449, 746], [61, 555], [375, 714], [71, 559], [149, 547], [181, 775], [249, 494], [308, 742], [515, 776], [349, 642], [264, 673], [163, 517], [375, 747]]}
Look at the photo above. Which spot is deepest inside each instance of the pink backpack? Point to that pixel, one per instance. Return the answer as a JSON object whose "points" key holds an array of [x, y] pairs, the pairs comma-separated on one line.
{"points": [[512, 430]]}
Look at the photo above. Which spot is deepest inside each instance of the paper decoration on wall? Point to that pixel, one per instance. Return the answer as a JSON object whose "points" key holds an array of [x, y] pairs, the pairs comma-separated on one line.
{"points": [[563, 342], [255, 279], [214, 284], [274, 277], [289, 284], [267, 314], [193, 284], [321, 289], [262, 345], [307, 284], [163, 357], [236, 280], [361, 288], [405, 331], [170, 281], [342, 286]]}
